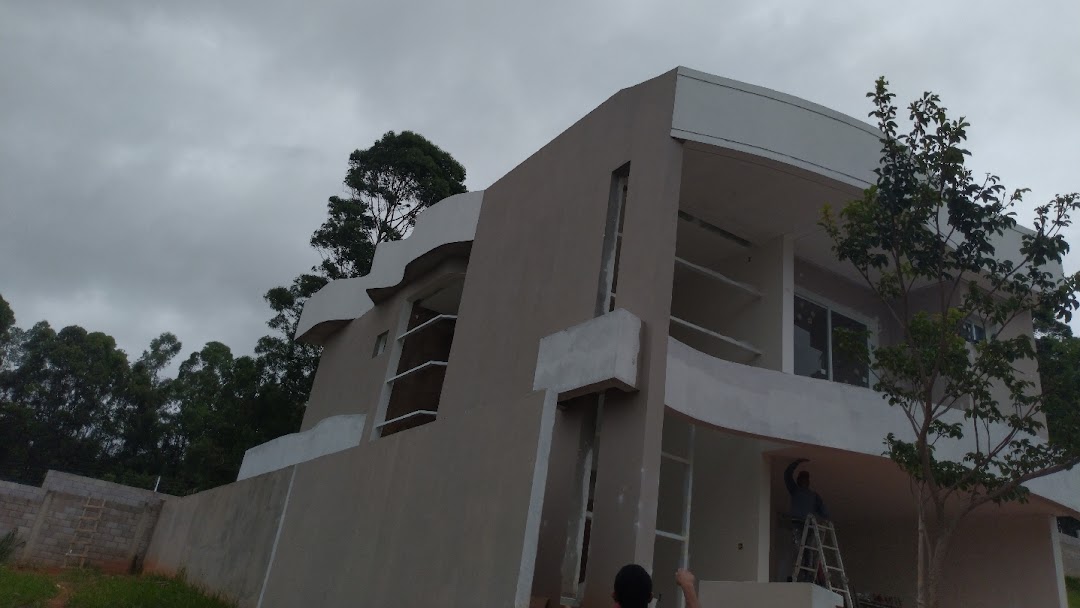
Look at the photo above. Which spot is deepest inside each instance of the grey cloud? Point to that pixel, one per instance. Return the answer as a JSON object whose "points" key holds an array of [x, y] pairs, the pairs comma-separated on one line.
{"points": [[163, 164]]}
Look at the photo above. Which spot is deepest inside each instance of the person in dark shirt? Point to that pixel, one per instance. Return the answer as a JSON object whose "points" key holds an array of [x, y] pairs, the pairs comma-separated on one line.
{"points": [[804, 502]]}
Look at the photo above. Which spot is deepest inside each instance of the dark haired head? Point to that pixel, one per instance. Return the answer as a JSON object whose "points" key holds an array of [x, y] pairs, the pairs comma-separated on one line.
{"points": [[803, 479], [633, 587]]}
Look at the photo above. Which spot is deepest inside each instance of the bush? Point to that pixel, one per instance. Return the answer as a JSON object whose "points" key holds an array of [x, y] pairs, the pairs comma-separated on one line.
{"points": [[9, 543]]}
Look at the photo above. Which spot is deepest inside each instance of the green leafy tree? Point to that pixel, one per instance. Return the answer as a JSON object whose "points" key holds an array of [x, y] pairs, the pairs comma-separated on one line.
{"points": [[389, 184], [143, 418], [64, 391], [924, 240]]}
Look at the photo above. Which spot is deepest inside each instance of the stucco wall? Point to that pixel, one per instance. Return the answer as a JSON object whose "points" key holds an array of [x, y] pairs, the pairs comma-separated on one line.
{"points": [[444, 514], [1070, 554], [998, 562], [730, 520], [222, 538], [534, 270]]}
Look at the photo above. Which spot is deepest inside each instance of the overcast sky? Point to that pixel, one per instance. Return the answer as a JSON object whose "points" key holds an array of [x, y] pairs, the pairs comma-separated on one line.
{"points": [[162, 164]]}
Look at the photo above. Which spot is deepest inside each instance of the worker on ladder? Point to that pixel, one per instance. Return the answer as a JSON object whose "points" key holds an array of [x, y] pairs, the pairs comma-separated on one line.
{"points": [[804, 502]]}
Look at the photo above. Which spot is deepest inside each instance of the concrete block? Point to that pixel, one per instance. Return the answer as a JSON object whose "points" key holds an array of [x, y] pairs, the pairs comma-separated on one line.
{"points": [[330, 435], [593, 356]]}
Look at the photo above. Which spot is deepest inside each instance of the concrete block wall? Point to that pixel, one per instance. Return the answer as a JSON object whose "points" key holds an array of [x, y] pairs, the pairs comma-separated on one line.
{"points": [[97, 488], [1070, 554], [19, 505], [46, 518]]}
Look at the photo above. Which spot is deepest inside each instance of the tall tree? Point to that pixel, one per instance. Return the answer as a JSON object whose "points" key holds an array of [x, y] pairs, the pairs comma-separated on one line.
{"points": [[389, 184], [143, 417], [923, 238], [66, 388]]}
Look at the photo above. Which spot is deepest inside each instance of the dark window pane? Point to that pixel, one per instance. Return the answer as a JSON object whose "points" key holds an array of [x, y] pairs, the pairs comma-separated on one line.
{"points": [[973, 332], [811, 339], [847, 367]]}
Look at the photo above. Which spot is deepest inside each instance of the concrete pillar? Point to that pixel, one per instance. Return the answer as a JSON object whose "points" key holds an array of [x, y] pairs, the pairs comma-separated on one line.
{"points": [[624, 520], [35, 531], [768, 323]]}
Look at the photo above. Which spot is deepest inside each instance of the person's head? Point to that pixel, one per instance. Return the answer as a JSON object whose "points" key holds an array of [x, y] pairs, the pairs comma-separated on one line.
{"points": [[633, 587], [803, 479]]}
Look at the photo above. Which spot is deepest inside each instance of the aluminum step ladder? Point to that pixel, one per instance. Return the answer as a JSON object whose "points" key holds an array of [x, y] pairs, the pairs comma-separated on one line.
{"points": [[819, 555]]}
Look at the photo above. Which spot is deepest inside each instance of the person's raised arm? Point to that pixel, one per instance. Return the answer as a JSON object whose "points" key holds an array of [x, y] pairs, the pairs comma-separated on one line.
{"points": [[685, 579], [789, 475]]}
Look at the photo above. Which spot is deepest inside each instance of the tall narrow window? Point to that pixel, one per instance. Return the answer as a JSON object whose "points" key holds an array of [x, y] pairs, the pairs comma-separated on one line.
{"points": [[613, 233]]}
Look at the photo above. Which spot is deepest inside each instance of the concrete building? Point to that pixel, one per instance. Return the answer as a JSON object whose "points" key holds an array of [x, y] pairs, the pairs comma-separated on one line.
{"points": [[607, 356]]}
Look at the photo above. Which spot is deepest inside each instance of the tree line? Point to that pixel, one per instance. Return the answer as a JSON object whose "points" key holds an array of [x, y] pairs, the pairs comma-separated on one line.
{"points": [[72, 400]]}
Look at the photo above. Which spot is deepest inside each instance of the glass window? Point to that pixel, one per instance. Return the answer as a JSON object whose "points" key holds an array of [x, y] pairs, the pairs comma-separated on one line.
{"points": [[973, 332], [380, 344], [819, 351], [811, 339], [846, 366]]}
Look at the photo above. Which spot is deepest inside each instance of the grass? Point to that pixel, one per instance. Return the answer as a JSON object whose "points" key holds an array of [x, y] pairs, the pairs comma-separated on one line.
{"points": [[21, 589], [1072, 587], [90, 589], [140, 592]]}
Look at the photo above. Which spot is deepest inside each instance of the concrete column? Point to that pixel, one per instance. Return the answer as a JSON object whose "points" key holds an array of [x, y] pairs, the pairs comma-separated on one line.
{"points": [[768, 323], [624, 513], [35, 531]]}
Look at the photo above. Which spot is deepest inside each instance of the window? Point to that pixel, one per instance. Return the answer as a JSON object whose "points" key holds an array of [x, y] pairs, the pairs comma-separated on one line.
{"points": [[973, 332], [380, 344], [819, 349], [417, 366]]}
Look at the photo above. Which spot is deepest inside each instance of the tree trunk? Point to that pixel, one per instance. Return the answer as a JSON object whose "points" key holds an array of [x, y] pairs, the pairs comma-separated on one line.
{"points": [[934, 543]]}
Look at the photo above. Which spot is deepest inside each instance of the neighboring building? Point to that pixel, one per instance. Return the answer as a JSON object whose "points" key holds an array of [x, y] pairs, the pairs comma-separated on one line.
{"points": [[609, 356]]}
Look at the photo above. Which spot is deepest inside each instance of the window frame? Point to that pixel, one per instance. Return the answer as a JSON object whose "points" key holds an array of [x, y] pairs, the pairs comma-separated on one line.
{"points": [[396, 346], [871, 323]]}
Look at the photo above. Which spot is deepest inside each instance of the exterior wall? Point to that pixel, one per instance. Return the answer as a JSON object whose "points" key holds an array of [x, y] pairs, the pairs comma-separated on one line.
{"points": [[1070, 554], [534, 270], [880, 557], [730, 516], [45, 519], [444, 514], [1000, 562], [19, 506], [222, 539], [722, 594], [349, 380]]}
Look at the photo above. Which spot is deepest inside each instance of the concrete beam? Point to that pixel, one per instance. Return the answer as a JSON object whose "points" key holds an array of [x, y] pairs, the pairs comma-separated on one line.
{"points": [[591, 357], [330, 435]]}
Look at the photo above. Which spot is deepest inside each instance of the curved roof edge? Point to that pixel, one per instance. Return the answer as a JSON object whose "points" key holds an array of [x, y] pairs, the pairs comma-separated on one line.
{"points": [[755, 120], [774, 405], [451, 220]]}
